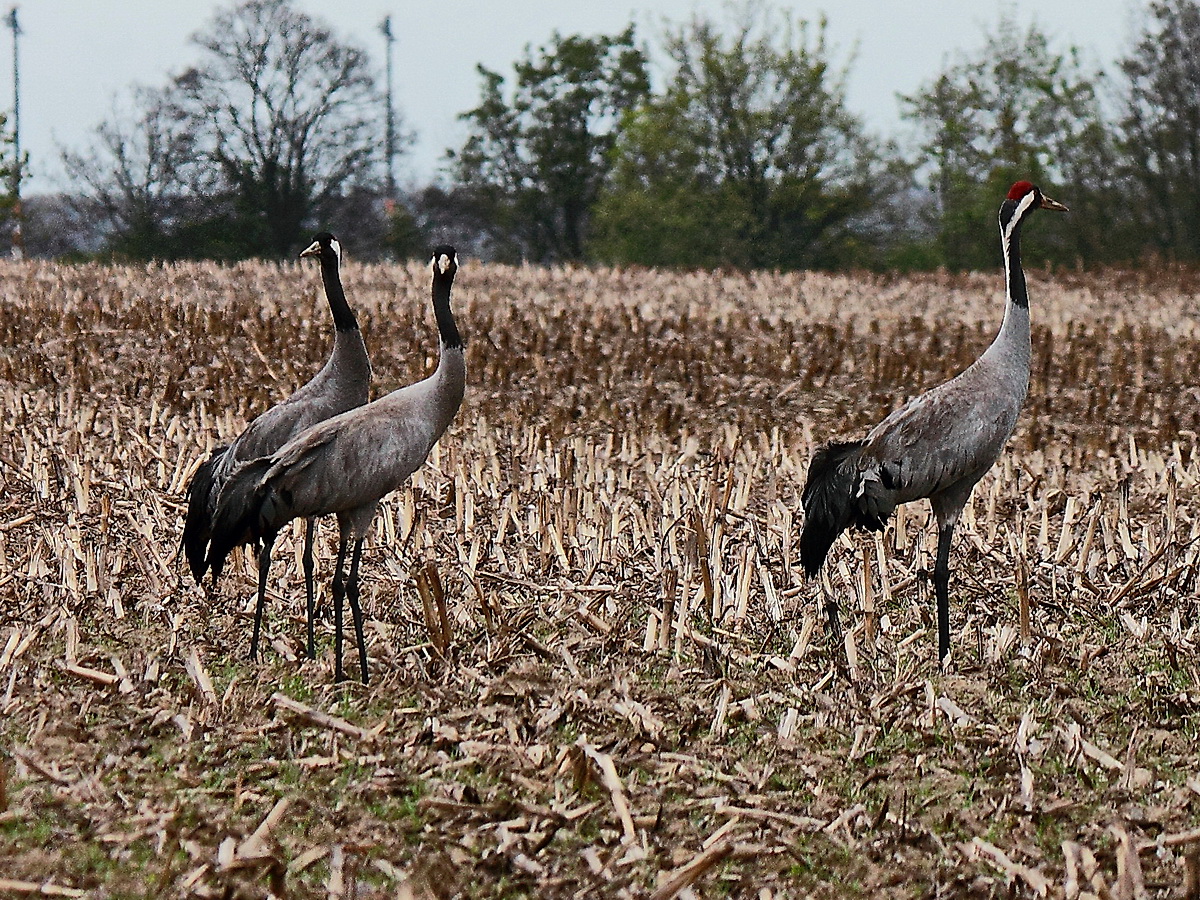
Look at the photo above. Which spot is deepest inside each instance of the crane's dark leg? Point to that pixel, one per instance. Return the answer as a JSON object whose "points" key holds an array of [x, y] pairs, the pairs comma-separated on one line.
{"points": [[941, 587], [264, 566], [339, 591], [831, 610], [355, 609], [310, 526]]}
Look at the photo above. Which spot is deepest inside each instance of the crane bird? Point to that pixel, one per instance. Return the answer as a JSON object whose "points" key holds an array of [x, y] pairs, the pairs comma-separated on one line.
{"points": [[346, 465], [939, 444], [343, 383]]}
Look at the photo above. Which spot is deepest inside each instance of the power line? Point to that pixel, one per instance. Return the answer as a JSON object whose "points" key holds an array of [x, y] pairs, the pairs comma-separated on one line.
{"points": [[18, 246], [386, 28]]}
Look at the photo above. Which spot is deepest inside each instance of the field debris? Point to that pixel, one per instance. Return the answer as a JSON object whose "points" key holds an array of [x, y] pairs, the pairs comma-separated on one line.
{"points": [[601, 670]]}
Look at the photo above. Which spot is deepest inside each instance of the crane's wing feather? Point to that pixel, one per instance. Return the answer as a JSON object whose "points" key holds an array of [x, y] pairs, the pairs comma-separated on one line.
{"points": [[940, 439], [202, 501], [282, 422], [350, 460]]}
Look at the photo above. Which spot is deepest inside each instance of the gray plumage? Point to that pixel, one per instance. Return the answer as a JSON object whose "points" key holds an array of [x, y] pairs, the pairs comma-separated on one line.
{"points": [[937, 445], [347, 464], [342, 383]]}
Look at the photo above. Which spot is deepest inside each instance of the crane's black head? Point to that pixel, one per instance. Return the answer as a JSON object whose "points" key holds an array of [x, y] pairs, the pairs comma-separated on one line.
{"points": [[324, 246], [445, 261], [1024, 197]]}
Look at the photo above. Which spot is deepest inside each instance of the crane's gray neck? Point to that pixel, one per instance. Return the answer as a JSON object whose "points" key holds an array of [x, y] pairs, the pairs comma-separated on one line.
{"points": [[451, 378], [1012, 346], [350, 358], [343, 315]]}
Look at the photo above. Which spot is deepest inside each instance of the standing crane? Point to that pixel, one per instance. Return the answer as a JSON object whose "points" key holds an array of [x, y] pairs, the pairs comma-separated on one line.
{"points": [[346, 465], [939, 444], [342, 383]]}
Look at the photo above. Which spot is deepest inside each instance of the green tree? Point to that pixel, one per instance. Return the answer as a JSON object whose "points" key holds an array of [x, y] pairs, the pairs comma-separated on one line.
{"points": [[404, 238], [1015, 109], [748, 158], [535, 160], [1161, 127]]}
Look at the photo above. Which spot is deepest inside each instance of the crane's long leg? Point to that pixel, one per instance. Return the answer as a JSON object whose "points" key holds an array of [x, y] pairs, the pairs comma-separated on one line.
{"points": [[831, 610], [941, 587], [339, 591], [310, 525], [264, 566], [355, 609]]}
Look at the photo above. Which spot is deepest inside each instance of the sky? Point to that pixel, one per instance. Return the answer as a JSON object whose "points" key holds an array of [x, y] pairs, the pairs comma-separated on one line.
{"points": [[79, 57]]}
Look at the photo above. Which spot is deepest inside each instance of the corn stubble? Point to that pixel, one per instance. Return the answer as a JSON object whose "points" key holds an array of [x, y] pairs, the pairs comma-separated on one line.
{"points": [[601, 671]]}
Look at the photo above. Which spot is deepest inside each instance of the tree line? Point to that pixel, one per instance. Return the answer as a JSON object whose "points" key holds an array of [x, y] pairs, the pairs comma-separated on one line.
{"points": [[746, 155]]}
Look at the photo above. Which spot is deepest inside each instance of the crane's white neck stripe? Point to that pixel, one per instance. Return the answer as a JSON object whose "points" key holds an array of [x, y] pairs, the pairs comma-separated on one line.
{"points": [[1019, 213], [1006, 233], [336, 246]]}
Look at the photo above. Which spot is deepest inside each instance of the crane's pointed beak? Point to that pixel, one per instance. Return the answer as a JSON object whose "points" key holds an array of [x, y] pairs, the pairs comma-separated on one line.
{"points": [[314, 249], [1054, 205]]}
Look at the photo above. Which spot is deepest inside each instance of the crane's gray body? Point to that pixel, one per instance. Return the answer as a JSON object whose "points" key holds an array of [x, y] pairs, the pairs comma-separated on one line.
{"points": [[347, 464], [939, 445]]}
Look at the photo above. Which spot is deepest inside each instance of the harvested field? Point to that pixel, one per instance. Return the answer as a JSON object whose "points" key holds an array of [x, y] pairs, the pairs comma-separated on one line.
{"points": [[597, 668]]}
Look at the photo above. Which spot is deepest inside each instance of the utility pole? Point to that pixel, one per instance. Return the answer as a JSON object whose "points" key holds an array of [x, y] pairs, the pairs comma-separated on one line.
{"points": [[386, 28], [18, 246]]}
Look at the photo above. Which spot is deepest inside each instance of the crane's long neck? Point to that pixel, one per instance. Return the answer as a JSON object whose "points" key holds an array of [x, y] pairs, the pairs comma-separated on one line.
{"points": [[1014, 275], [447, 327], [1011, 348], [343, 315], [451, 374]]}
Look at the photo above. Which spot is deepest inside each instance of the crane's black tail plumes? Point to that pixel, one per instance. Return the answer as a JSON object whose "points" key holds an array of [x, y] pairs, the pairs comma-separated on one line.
{"points": [[828, 500], [238, 519], [197, 524]]}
